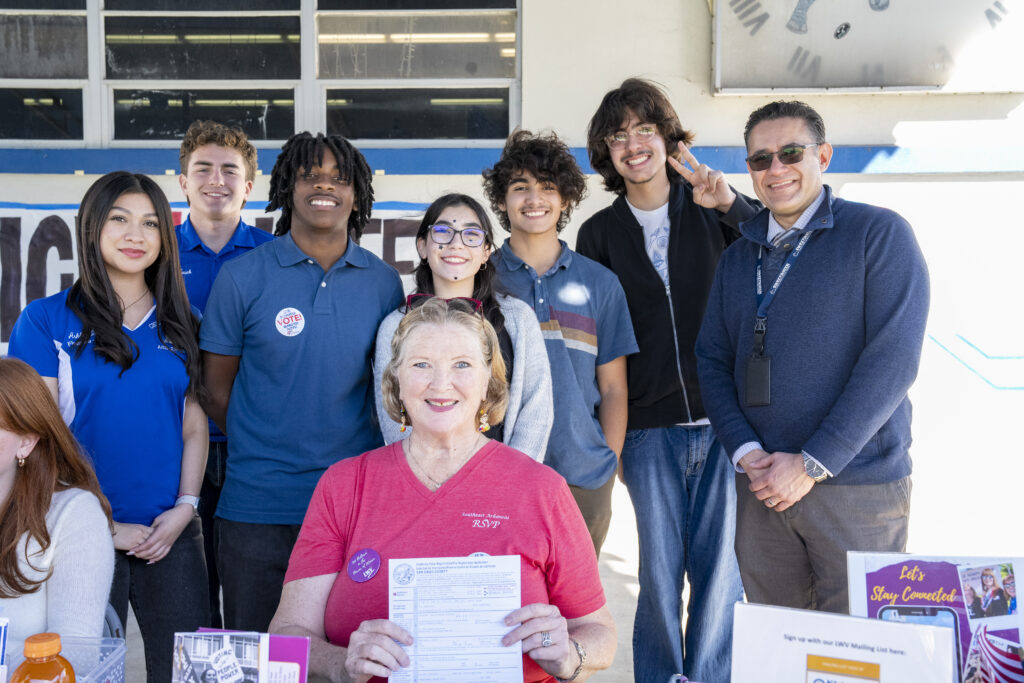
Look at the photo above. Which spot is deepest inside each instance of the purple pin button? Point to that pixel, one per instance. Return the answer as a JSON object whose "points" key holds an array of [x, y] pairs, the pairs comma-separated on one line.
{"points": [[364, 565]]}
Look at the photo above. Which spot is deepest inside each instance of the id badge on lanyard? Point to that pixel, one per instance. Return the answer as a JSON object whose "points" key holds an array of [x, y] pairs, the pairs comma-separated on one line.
{"points": [[758, 389]]}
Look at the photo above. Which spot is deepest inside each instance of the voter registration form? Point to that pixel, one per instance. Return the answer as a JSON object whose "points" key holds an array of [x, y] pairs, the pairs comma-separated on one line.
{"points": [[455, 609]]}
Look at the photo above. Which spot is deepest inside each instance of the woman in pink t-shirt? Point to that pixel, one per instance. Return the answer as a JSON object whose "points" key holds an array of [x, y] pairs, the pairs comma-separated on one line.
{"points": [[445, 491]]}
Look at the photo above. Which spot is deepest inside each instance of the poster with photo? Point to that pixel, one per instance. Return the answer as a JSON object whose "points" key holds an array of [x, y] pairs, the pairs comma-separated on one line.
{"points": [[990, 594], [992, 658], [946, 592], [220, 657]]}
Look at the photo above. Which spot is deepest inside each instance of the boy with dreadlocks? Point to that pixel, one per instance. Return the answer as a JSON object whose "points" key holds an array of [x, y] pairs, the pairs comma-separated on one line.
{"points": [[287, 341]]}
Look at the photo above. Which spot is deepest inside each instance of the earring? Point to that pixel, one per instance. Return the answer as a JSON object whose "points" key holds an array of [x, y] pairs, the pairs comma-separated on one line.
{"points": [[483, 266], [483, 421], [402, 426], [21, 462]]}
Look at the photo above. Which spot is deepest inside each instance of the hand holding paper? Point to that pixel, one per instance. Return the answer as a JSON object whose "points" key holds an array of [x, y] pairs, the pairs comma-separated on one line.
{"points": [[372, 650], [542, 622]]}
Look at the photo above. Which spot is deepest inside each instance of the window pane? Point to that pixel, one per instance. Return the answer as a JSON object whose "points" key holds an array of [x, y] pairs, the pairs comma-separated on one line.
{"points": [[381, 5], [40, 114], [402, 45], [166, 114], [41, 46], [201, 5], [42, 4], [202, 47], [419, 113]]}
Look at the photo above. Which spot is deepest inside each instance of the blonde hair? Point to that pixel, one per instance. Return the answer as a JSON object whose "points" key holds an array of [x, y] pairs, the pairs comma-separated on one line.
{"points": [[437, 311]]}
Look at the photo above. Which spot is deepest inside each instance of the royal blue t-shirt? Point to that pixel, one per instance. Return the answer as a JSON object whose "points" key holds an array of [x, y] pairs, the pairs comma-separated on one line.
{"points": [[129, 424], [199, 267], [303, 396], [585, 321]]}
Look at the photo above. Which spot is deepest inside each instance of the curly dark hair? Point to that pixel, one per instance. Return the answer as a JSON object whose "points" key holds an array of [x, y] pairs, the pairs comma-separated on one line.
{"points": [[545, 157], [304, 151], [649, 103], [783, 109]]}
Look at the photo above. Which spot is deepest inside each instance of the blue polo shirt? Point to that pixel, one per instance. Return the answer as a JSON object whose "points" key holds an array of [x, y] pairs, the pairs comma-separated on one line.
{"points": [[303, 396], [129, 423], [199, 267], [583, 316]]}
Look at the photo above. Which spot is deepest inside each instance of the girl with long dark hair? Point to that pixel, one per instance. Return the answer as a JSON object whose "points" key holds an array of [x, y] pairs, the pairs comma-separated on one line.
{"points": [[56, 556], [454, 242], [119, 352]]}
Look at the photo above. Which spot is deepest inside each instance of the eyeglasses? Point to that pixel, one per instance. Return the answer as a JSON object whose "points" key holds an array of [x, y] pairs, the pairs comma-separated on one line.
{"points": [[643, 132], [444, 234], [416, 300], [789, 155]]}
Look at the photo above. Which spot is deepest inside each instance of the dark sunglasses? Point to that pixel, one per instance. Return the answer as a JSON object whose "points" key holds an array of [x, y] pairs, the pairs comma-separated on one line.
{"points": [[416, 300], [790, 154]]}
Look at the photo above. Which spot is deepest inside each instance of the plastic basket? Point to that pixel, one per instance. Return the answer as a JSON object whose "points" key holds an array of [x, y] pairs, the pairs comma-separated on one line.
{"points": [[95, 660]]}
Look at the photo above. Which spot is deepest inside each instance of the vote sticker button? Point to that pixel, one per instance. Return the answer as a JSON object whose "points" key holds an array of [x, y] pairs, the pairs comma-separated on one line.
{"points": [[364, 565]]}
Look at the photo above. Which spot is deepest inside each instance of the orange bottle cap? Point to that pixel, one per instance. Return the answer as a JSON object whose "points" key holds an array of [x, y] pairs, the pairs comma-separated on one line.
{"points": [[42, 645]]}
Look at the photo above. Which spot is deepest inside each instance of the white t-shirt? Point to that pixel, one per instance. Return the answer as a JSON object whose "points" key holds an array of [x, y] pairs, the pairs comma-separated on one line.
{"points": [[656, 227], [656, 230]]}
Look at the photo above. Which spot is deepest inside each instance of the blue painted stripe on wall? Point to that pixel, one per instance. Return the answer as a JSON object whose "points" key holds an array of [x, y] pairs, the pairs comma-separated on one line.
{"points": [[378, 206], [471, 161]]}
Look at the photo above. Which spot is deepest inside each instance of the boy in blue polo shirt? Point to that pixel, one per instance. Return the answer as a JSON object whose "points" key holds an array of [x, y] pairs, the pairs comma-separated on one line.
{"points": [[218, 165], [287, 339], [582, 312]]}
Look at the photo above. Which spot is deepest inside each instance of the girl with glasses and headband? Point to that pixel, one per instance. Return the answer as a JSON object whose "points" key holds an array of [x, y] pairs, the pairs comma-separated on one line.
{"points": [[454, 242]]}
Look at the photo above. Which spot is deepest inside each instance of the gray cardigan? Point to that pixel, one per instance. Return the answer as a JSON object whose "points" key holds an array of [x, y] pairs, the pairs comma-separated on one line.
{"points": [[530, 409]]}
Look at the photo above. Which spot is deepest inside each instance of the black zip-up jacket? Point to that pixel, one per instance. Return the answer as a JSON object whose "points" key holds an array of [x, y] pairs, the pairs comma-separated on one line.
{"points": [[663, 387]]}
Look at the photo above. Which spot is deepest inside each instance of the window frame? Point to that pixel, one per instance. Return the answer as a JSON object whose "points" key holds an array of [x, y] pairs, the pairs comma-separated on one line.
{"points": [[309, 91]]}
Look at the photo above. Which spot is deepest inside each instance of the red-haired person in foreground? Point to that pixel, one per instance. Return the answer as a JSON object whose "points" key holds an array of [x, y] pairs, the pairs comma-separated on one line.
{"points": [[56, 552]]}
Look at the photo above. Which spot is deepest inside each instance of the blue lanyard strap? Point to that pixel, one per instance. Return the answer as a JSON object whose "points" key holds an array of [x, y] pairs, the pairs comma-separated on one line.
{"points": [[764, 299]]}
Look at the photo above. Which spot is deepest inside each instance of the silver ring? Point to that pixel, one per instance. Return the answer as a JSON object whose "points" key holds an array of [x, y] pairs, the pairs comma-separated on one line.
{"points": [[771, 502], [546, 639]]}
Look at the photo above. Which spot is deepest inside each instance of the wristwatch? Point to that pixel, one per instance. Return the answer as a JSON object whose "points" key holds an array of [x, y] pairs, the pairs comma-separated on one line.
{"points": [[191, 500], [583, 658], [814, 469]]}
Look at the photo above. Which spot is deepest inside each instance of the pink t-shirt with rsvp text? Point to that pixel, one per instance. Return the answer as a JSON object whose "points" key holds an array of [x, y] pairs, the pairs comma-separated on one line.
{"points": [[500, 503]]}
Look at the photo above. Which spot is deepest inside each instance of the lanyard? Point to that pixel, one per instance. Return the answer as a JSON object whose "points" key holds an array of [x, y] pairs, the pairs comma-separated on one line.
{"points": [[764, 299]]}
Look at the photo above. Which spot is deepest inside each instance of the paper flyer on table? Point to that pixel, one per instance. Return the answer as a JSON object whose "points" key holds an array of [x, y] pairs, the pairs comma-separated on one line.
{"points": [[455, 608], [288, 657], [974, 597], [221, 657], [782, 644]]}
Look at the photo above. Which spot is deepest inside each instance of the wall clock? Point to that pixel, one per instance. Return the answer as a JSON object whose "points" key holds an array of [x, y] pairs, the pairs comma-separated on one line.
{"points": [[811, 45]]}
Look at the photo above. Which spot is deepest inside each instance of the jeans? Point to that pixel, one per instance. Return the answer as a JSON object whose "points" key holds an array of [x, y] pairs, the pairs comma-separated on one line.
{"points": [[253, 560], [213, 482], [682, 487], [166, 596]]}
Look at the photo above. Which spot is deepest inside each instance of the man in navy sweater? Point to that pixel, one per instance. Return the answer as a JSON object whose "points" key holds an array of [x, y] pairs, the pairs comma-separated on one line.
{"points": [[810, 342]]}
